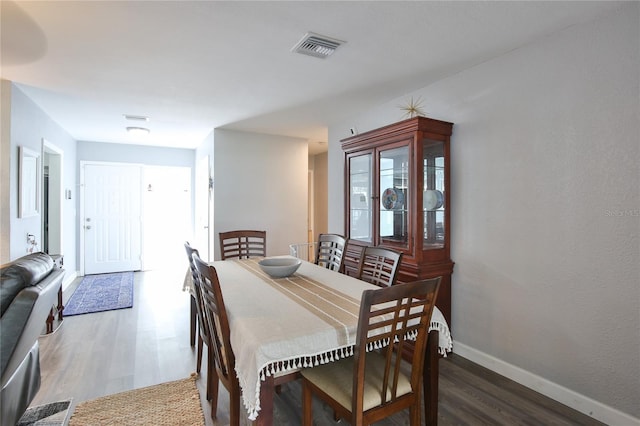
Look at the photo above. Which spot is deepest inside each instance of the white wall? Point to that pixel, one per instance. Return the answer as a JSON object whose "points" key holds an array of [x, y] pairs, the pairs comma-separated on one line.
{"points": [[260, 182], [204, 238], [545, 211]]}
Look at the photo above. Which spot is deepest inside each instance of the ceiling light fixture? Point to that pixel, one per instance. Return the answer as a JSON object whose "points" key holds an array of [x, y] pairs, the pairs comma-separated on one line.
{"points": [[138, 131], [316, 45]]}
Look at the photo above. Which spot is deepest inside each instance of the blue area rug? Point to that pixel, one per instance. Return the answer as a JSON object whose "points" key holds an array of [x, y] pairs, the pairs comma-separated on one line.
{"points": [[102, 292]]}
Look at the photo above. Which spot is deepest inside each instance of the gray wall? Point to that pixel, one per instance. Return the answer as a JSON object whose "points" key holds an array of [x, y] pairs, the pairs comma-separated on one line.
{"points": [[148, 155], [260, 182], [545, 211], [318, 164], [6, 170], [28, 125]]}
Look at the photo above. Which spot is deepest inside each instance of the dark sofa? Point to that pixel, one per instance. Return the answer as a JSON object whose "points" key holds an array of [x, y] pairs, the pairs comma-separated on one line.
{"points": [[28, 290]]}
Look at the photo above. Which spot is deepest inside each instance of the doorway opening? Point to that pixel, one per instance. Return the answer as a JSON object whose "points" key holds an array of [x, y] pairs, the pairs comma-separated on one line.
{"points": [[147, 222], [167, 215], [52, 197]]}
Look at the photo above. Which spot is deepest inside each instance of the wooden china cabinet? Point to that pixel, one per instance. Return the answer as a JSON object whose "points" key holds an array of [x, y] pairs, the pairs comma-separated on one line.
{"points": [[397, 196]]}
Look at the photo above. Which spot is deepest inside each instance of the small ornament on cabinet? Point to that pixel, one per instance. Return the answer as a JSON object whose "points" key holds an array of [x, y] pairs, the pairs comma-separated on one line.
{"points": [[413, 108]]}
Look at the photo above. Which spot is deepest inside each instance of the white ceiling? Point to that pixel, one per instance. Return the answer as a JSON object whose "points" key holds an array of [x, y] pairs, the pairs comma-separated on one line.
{"points": [[192, 66]]}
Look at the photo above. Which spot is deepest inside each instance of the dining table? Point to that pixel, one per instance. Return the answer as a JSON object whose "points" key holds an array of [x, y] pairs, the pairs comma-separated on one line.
{"points": [[279, 326]]}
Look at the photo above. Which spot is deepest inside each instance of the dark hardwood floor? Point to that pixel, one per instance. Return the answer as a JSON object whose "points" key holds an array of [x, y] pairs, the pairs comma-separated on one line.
{"points": [[98, 354]]}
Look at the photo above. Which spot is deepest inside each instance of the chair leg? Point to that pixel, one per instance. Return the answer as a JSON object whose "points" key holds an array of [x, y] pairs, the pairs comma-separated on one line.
{"points": [[212, 384], [414, 414], [199, 360], [430, 377], [307, 415], [193, 322]]}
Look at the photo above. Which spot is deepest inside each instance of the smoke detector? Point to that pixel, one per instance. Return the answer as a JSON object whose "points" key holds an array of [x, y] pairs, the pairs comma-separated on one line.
{"points": [[316, 45]]}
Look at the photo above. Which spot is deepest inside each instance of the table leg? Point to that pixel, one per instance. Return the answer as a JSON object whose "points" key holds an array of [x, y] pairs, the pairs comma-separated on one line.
{"points": [[265, 415], [430, 379]]}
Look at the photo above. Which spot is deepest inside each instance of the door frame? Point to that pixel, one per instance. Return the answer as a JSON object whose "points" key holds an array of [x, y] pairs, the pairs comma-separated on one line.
{"points": [[203, 232], [55, 206], [311, 207]]}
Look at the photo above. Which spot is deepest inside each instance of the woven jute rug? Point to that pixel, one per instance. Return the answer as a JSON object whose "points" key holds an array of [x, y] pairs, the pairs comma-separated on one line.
{"points": [[172, 403], [52, 414]]}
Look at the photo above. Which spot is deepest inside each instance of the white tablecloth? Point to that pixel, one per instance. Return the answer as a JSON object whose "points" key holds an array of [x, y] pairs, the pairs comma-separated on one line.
{"points": [[282, 325]]}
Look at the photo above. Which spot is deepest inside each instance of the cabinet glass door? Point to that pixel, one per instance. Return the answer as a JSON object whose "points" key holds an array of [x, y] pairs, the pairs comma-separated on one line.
{"points": [[394, 196], [360, 190], [433, 195]]}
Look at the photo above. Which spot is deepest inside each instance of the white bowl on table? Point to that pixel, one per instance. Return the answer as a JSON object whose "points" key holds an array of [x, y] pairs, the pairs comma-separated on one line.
{"points": [[279, 267]]}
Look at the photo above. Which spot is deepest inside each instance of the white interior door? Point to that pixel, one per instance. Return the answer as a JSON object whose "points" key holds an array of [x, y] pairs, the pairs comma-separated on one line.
{"points": [[111, 218]]}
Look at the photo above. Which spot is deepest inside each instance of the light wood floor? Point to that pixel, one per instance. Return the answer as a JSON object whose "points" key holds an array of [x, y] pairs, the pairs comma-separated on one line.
{"points": [[98, 354]]}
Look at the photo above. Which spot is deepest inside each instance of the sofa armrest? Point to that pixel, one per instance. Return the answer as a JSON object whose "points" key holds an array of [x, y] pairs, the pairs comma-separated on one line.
{"points": [[24, 320]]}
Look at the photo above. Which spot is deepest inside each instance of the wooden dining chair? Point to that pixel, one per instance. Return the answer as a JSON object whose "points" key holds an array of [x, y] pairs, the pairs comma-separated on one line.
{"points": [[352, 255], [193, 311], [374, 384], [243, 244], [220, 341], [199, 322], [379, 266], [330, 251]]}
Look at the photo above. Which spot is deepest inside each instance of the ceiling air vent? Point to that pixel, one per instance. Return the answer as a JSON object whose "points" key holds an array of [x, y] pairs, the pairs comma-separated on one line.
{"points": [[135, 117], [316, 45]]}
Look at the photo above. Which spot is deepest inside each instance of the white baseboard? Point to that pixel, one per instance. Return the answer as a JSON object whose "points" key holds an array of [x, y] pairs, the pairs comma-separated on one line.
{"points": [[581, 403], [68, 279]]}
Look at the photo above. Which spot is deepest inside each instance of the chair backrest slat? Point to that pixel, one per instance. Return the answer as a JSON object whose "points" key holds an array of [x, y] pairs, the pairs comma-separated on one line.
{"points": [[379, 266], [391, 317], [330, 251], [243, 244], [352, 255]]}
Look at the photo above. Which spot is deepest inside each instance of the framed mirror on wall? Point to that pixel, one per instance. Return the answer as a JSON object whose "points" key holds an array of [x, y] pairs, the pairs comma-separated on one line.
{"points": [[29, 183]]}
